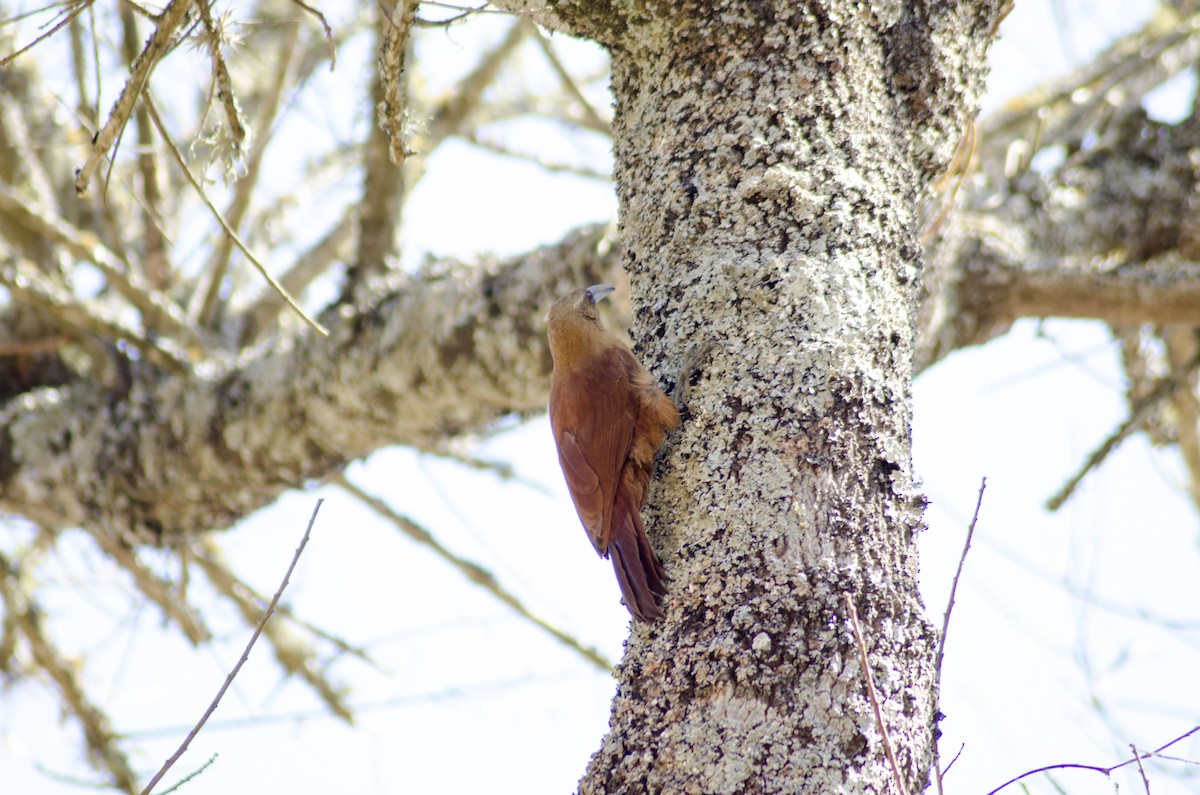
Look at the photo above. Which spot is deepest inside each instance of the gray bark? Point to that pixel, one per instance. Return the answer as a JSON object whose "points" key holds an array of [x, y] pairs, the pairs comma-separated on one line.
{"points": [[421, 358], [769, 160]]}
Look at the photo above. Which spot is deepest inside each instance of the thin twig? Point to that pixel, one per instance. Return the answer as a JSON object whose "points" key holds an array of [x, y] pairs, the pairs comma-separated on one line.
{"points": [[1137, 413], [139, 77], [490, 688], [221, 78], [866, 666], [501, 469], [568, 82], [1138, 758], [162, 130], [549, 166], [452, 112], [189, 776], [237, 208], [473, 571], [27, 283], [961, 747], [157, 310], [960, 167], [66, 21], [1097, 768], [307, 267], [328, 32], [65, 674], [241, 661], [154, 588], [962, 559], [154, 251], [292, 655], [941, 647]]}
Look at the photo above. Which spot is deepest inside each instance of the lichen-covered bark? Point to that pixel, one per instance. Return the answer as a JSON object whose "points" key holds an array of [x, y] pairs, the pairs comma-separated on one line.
{"points": [[1112, 234], [446, 352], [769, 157]]}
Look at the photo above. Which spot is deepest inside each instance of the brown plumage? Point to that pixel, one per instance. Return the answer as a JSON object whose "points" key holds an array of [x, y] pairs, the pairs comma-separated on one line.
{"points": [[609, 419]]}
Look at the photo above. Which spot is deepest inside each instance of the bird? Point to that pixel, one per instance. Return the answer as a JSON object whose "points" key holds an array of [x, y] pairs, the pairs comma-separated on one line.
{"points": [[609, 420]]}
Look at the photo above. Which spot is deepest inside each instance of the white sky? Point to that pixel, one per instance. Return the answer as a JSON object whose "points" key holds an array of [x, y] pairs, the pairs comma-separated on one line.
{"points": [[1044, 664]]}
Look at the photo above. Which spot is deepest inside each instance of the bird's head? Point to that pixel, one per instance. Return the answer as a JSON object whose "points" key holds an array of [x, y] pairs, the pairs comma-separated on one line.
{"points": [[573, 322]]}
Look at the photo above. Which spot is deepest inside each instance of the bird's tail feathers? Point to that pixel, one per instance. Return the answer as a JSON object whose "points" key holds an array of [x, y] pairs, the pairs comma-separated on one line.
{"points": [[639, 572]]}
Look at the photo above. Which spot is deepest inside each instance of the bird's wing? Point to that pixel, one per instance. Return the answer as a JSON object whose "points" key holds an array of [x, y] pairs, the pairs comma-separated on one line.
{"points": [[593, 413]]}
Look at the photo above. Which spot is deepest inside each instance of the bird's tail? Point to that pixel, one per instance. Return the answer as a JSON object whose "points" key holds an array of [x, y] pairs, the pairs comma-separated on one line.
{"points": [[639, 572]]}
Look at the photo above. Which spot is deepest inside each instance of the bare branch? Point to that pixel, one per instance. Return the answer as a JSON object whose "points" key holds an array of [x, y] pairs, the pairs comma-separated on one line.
{"points": [[1113, 82], [1137, 414], [241, 661], [549, 166], [450, 350], [220, 73], [941, 646], [27, 618], [71, 10], [329, 40], [390, 85], [155, 589], [596, 122], [158, 312], [451, 113], [28, 284], [1107, 771], [262, 269], [153, 261], [235, 213], [387, 144], [291, 654], [160, 41], [897, 777], [260, 316], [473, 572]]}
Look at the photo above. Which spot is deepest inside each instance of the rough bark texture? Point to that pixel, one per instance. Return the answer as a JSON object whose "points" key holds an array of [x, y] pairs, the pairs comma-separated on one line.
{"points": [[769, 160], [446, 352], [1112, 234]]}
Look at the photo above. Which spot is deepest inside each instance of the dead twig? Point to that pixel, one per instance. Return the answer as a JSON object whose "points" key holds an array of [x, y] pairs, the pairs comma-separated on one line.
{"points": [[941, 647], [221, 79], [241, 661], [71, 13], [139, 77], [27, 283], [1108, 771], [1137, 413], [287, 298], [473, 571], [328, 32], [595, 121], [293, 655], [158, 311], [27, 620], [897, 779]]}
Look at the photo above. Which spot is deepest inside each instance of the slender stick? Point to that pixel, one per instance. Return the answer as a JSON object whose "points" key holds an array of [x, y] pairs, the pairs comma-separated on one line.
{"points": [[941, 647], [866, 666], [237, 241], [1097, 768], [242, 661]]}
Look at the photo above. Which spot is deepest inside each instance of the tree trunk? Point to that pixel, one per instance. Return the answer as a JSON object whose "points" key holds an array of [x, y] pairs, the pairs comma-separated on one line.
{"points": [[769, 160]]}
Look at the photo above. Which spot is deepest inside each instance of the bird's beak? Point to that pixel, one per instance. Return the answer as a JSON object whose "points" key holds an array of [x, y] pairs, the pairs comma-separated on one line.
{"points": [[598, 291]]}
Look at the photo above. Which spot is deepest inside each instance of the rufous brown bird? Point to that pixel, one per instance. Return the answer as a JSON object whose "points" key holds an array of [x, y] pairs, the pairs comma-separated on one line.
{"points": [[609, 419]]}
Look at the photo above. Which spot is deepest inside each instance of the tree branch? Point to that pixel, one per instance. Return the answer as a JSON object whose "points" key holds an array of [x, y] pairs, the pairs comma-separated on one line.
{"points": [[444, 352], [1113, 234]]}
